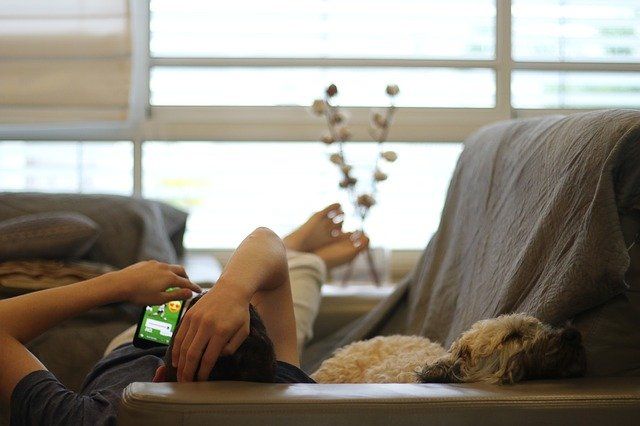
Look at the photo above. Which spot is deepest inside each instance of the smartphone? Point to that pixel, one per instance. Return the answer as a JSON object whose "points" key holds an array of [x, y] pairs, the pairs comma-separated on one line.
{"points": [[157, 324]]}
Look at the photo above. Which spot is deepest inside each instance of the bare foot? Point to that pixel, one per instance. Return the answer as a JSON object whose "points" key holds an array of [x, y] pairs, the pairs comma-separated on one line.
{"points": [[322, 228], [344, 249]]}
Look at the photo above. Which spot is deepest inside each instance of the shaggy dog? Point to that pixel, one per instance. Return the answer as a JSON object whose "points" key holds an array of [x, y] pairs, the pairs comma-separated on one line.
{"points": [[503, 350]]}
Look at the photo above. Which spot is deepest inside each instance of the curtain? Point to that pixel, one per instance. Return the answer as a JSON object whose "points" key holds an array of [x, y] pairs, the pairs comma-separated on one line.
{"points": [[64, 60]]}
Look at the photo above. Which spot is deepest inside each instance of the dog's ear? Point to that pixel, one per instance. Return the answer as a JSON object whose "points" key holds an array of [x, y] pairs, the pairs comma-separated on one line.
{"points": [[511, 336], [443, 370], [514, 369]]}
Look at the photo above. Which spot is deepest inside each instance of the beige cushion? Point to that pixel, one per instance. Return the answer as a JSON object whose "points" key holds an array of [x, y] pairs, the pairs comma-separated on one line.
{"points": [[56, 235], [18, 277]]}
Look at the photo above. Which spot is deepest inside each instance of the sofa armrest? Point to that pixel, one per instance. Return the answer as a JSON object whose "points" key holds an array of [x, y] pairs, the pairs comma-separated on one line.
{"points": [[578, 401]]}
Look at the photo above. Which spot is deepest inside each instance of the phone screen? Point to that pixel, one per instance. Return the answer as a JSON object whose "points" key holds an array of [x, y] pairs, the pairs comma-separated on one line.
{"points": [[159, 322]]}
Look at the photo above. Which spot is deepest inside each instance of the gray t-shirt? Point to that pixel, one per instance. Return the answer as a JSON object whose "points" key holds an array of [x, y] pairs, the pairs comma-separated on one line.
{"points": [[40, 399]]}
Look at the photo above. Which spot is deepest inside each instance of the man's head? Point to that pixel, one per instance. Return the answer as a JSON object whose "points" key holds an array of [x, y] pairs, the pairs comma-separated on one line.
{"points": [[253, 361]]}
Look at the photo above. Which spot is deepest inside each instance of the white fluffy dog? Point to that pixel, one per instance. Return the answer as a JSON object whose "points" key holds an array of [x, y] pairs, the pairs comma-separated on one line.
{"points": [[503, 350]]}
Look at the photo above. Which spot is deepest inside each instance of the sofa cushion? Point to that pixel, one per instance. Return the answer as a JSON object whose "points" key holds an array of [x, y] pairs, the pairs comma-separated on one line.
{"points": [[55, 235], [22, 276], [131, 229]]}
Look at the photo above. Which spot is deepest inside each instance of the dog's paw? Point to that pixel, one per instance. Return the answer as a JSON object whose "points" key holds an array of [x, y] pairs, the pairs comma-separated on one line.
{"points": [[441, 371]]}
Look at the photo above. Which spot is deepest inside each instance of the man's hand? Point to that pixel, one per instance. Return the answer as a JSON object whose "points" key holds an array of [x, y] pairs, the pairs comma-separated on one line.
{"points": [[23, 318], [146, 283], [216, 325], [219, 322]]}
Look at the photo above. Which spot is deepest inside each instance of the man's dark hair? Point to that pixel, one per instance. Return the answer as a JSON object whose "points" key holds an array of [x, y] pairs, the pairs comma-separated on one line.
{"points": [[253, 361]]}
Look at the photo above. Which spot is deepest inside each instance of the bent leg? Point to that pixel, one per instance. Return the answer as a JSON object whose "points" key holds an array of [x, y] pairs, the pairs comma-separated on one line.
{"points": [[307, 273], [122, 338]]}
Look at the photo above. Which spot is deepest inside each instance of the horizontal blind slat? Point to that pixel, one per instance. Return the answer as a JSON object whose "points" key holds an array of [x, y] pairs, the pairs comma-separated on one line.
{"points": [[65, 83], [64, 38], [54, 8], [57, 114]]}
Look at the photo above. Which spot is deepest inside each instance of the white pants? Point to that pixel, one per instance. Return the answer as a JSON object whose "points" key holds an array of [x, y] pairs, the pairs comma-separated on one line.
{"points": [[307, 272]]}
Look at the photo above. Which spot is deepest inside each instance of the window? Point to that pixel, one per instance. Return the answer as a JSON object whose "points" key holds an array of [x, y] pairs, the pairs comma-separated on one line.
{"points": [[286, 45], [84, 167], [576, 30], [231, 188], [323, 29], [269, 86], [576, 54], [219, 102], [562, 89]]}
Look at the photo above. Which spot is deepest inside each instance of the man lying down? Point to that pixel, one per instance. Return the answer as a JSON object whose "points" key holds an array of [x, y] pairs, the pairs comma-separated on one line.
{"points": [[244, 328]]}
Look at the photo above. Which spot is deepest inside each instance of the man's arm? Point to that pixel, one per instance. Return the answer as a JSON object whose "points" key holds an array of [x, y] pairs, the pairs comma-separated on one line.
{"points": [[275, 307], [219, 323], [25, 317]]}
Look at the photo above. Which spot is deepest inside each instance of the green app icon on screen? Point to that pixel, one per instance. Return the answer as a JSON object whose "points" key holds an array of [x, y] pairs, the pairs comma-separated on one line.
{"points": [[158, 323]]}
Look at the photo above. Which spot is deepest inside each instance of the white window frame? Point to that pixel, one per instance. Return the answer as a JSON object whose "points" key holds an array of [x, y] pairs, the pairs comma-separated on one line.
{"points": [[291, 123]]}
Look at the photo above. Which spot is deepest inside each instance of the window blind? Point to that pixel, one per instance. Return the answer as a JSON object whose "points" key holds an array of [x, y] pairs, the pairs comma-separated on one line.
{"points": [[64, 61], [285, 52], [576, 30]]}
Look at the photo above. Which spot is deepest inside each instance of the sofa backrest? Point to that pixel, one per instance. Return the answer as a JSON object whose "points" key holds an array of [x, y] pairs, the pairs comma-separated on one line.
{"points": [[130, 229], [531, 223]]}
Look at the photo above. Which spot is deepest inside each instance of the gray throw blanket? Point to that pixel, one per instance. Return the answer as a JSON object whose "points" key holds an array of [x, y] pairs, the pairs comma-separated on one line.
{"points": [[131, 229], [531, 224]]}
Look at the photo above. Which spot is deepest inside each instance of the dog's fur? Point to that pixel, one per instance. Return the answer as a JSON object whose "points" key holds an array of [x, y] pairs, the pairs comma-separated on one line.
{"points": [[503, 350]]}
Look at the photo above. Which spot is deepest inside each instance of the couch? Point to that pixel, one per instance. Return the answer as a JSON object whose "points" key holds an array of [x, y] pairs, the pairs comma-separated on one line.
{"points": [[127, 230], [541, 217]]}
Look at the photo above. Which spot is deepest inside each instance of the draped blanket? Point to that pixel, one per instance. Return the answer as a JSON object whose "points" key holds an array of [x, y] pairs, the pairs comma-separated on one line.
{"points": [[531, 223]]}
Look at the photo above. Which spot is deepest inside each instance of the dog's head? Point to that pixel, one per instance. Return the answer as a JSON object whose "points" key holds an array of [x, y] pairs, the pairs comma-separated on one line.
{"points": [[508, 349]]}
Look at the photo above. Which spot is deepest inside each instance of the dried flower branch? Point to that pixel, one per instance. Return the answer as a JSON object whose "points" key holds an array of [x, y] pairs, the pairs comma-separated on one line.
{"points": [[319, 106], [327, 139], [339, 133], [393, 90], [390, 156]]}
